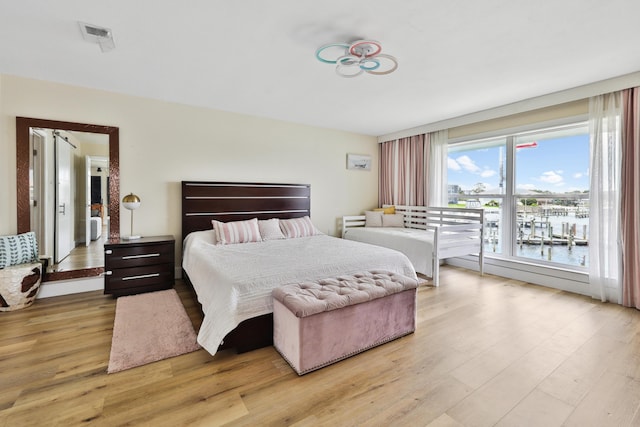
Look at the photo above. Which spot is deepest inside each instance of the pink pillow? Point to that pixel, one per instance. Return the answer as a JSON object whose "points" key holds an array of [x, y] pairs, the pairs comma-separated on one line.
{"points": [[298, 227], [237, 231]]}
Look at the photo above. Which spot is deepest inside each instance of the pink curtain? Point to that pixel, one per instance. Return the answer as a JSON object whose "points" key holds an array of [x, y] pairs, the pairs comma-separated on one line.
{"points": [[630, 198], [402, 182], [385, 179]]}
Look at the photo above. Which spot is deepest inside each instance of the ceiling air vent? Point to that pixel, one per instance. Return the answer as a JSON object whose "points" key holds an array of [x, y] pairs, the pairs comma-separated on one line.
{"points": [[99, 35]]}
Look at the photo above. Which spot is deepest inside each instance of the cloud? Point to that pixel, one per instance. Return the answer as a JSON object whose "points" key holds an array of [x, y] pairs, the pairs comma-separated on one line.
{"points": [[527, 186], [552, 177], [452, 164], [468, 164], [487, 173], [581, 174]]}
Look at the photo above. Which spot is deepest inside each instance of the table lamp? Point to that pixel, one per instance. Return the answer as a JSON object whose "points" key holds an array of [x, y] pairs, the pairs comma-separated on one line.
{"points": [[131, 202]]}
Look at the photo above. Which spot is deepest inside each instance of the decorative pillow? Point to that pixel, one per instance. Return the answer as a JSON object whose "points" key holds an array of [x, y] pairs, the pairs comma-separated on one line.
{"points": [[237, 232], [298, 227], [18, 249], [389, 210], [373, 219], [270, 229], [395, 220]]}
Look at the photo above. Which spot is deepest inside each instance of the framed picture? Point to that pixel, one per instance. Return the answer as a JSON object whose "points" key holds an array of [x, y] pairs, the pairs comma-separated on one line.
{"points": [[359, 161]]}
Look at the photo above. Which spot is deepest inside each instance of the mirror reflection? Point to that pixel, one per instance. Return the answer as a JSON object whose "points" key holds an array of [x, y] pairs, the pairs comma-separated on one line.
{"points": [[68, 197], [68, 190]]}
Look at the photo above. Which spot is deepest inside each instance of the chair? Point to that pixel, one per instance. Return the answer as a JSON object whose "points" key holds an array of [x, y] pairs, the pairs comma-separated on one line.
{"points": [[20, 271]]}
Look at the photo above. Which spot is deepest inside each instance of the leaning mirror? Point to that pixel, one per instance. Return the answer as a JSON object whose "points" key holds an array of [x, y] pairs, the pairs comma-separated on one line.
{"points": [[68, 190]]}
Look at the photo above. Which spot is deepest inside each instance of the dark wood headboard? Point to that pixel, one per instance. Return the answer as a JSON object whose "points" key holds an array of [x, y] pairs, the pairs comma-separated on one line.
{"points": [[235, 201]]}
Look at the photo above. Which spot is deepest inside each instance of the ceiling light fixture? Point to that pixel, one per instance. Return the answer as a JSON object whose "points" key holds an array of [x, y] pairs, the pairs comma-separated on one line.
{"points": [[356, 58], [100, 35]]}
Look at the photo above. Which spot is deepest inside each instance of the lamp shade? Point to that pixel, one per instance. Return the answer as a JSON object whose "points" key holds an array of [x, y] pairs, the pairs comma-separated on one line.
{"points": [[131, 201]]}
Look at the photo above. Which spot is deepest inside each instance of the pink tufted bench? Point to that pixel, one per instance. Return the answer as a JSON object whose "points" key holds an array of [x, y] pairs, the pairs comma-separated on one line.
{"points": [[321, 322]]}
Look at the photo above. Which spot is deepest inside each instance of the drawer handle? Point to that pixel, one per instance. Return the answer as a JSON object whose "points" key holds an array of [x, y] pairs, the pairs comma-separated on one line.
{"points": [[140, 256], [108, 252], [142, 276], [107, 273]]}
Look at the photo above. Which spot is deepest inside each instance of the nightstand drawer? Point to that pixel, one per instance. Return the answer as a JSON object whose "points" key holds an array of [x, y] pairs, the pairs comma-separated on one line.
{"points": [[136, 256], [124, 278], [139, 265]]}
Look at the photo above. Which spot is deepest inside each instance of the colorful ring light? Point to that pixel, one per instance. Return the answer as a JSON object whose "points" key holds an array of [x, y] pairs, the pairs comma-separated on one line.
{"points": [[363, 64], [368, 47], [348, 66], [327, 46], [359, 57], [389, 71]]}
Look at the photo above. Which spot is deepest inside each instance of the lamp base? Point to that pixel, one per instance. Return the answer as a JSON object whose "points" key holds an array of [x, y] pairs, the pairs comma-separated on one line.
{"points": [[131, 237]]}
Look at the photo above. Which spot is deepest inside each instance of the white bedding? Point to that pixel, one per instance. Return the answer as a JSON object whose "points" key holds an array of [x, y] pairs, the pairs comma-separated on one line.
{"points": [[416, 244], [234, 282]]}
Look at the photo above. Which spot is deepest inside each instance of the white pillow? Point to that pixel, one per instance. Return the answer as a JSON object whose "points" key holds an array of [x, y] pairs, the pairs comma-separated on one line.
{"points": [[208, 236], [237, 231], [373, 219], [298, 227], [394, 220], [270, 229]]}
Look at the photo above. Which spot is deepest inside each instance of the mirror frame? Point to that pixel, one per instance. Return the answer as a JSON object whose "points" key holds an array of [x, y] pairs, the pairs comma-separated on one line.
{"points": [[23, 124]]}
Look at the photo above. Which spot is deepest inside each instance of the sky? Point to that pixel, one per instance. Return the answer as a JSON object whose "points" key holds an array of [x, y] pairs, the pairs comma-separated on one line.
{"points": [[558, 164]]}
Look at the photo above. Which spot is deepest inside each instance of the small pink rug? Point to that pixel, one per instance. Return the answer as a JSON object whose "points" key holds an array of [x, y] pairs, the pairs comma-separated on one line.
{"points": [[150, 327]]}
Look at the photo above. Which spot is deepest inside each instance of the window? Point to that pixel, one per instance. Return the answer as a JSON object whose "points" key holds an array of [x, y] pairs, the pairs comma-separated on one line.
{"points": [[534, 189]]}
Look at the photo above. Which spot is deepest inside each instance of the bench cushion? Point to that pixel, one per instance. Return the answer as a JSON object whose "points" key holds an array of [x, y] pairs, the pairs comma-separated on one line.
{"points": [[312, 297]]}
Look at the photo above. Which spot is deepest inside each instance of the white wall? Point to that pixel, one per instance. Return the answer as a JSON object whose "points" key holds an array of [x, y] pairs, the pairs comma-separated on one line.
{"points": [[164, 143]]}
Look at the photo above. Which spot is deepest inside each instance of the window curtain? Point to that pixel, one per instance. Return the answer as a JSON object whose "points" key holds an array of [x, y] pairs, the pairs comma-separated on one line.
{"points": [[630, 204], [402, 171], [437, 169], [385, 179], [604, 204]]}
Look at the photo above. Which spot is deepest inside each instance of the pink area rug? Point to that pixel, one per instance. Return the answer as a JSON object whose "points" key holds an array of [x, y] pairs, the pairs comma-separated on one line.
{"points": [[150, 327]]}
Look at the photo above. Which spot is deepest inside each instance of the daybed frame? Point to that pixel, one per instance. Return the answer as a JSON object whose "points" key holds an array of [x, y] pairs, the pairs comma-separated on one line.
{"points": [[235, 201], [456, 231]]}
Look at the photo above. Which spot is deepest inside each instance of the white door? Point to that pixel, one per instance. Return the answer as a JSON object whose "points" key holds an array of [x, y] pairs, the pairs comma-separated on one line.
{"points": [[37, 185], [64, 206], [87, 200]]}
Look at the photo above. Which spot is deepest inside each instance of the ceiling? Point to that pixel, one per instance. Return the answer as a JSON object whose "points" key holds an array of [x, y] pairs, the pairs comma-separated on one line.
{"points": [[256, 57]]}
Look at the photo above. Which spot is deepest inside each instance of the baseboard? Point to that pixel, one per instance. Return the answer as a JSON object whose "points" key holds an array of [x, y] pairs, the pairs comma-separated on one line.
{"points": [[76, 286], [73, 286]]}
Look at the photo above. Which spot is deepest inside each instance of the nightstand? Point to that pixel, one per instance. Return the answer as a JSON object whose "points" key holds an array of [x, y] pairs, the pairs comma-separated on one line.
{"points": [[139, 265]]}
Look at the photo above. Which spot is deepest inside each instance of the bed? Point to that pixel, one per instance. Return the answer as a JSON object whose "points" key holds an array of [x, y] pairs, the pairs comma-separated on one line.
{"points": [[425, 234], [233, 283]]}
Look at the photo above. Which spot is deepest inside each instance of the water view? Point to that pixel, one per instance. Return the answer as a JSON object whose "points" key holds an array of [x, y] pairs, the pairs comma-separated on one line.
{"points": [[558, 235], [543, 177]]}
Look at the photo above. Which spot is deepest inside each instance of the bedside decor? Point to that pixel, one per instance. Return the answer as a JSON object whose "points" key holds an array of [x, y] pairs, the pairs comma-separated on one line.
{"points": [[150, 327], [359, 161], [141, 265], [131, 202], [20, 271]]}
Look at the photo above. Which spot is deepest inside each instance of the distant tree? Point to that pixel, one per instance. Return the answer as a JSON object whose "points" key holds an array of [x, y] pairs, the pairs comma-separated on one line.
{"points": [[478, 188], [529, 202], [492, 204]]}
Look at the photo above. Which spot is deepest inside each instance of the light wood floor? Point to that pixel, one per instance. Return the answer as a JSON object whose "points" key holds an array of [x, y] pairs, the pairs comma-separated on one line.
{"points": [[488, 351], [84, 256]]}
